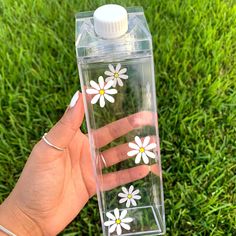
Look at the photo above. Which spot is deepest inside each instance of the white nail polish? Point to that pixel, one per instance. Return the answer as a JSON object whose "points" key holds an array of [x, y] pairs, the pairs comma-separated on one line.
{"points": [[74, 99]]}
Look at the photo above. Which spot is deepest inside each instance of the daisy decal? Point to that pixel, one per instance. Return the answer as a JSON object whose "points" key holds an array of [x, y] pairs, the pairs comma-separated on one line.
{"points": [[142, 150], [118, 221], [116, 74], [101, 91], [129, 196]]}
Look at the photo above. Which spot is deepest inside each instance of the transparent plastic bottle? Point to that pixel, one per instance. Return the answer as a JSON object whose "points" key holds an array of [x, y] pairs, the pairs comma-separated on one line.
{"points": [[115, 61]]}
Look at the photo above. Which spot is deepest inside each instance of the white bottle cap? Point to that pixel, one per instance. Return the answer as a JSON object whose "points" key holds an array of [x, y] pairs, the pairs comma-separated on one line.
{"points": [[110, 21]]}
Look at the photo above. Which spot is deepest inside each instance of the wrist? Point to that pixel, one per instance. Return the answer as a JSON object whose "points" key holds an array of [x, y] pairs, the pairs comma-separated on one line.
{"points": [[16, 221]]}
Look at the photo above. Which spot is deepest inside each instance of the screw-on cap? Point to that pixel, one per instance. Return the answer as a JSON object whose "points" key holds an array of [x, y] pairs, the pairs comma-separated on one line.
{"points": [[110, 21]]}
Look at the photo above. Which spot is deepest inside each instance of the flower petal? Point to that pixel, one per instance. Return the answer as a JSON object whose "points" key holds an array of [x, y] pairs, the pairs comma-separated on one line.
{"points": [[138, 158], [150, 154], [118, 230], [135, 192], [92, 91], [94, 84], [127, 220], [117, 213], [114, 82], [112, 228], [136, 197], [132, 153], [150, 146], [131, 189], [118, 66], [145, 158], [125, 190], [133, 202], [123, 76], [95, 98], [109, 98], [109, 222], [109, 84], [111, 68], [122, 71], [120, 82], [128, 203], [138, 141], [122, 200], [102, 101], [123, 214], [101, 82], [134, 146], [111, 91], [146, 141], [109, 73], [110, 216], [122, 194], [109, 78], [125, 226]]}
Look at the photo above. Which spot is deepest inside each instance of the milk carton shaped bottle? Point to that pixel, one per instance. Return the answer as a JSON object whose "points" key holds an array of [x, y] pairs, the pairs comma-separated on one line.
{"points": [[116, 69]]}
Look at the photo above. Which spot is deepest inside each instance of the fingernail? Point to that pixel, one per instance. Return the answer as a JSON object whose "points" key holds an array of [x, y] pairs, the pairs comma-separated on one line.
{"points": [[74, 99]]}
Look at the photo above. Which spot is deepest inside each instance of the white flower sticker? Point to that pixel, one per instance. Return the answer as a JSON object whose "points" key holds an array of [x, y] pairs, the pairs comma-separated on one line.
{"points": [[101, 91], [118, 221], [142, 150], [129, 196], [116, 74]]}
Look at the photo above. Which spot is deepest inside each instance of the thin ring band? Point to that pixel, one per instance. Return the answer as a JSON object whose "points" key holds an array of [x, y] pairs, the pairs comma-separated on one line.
{"points": [[50, 144], [103, 160], [6, 231]]}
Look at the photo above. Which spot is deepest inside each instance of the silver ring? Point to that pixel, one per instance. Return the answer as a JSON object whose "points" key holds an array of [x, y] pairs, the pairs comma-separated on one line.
{"points": [[103, 160], [50, 144], [6, 231]]}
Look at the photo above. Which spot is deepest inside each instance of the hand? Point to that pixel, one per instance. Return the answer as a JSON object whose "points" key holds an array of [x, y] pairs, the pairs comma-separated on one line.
{"points": [[55, 185]]}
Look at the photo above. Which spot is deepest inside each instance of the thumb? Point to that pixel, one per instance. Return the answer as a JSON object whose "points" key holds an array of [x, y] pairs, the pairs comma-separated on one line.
{"points": [[61, 134]]}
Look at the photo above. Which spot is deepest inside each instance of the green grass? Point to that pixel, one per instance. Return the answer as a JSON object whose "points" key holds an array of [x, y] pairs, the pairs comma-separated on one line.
{"points": [[195, 58]]}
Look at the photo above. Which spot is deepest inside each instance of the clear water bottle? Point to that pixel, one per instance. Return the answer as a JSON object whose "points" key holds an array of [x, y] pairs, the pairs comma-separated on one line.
{"points": [[116, 69]]}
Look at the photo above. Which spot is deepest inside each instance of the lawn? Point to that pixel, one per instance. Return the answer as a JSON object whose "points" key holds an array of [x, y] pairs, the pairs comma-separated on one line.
{"points": [[195, 59]]}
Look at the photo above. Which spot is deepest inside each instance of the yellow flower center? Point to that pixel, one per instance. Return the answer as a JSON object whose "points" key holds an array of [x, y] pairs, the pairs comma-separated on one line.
{"points": [[141, 149], [102, 91], [129, 196], [118, 221], [116, 75]]}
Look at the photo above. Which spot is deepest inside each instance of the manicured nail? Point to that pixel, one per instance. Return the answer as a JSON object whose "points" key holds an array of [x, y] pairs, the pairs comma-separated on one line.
{"points": [[74, 99]]}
